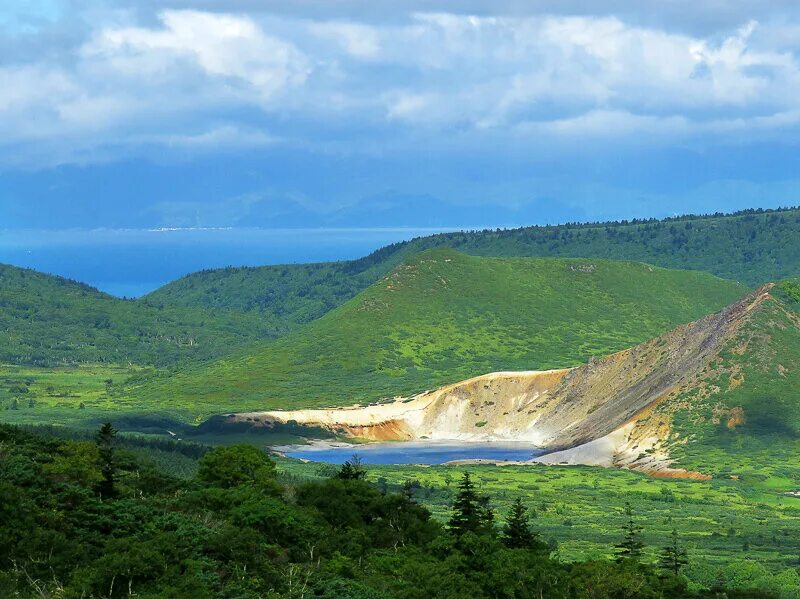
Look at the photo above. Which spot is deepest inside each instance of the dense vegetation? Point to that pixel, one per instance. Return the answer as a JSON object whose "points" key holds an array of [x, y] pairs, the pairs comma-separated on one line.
{"points": [[50, 321], [285, 296], [753, 247], [85, 519], [744, 416], [442, 317], [740, 533]]}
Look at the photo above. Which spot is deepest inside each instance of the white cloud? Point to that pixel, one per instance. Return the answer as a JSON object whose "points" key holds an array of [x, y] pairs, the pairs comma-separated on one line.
{"points": [[233, 48], [235, 77], [225, 136], [131, 85], [357, 40]]}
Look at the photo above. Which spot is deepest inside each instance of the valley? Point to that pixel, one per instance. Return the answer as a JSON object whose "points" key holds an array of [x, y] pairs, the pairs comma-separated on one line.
{"points": [[601, 381], [399, 300]]}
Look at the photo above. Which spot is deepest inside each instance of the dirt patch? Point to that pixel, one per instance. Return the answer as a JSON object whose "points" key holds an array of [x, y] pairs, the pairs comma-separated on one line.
{"points": [[736, 417], [678, 473]]}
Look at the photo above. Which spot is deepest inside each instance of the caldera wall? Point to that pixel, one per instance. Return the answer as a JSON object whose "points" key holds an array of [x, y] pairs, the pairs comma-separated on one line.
{"points": [[605, 399]]}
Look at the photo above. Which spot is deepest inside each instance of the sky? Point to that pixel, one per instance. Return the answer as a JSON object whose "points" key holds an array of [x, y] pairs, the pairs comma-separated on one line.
{"points": [[358, 114]]}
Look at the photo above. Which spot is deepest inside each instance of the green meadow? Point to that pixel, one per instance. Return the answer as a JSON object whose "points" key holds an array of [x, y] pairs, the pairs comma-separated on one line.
{"points": [[743, 532]]}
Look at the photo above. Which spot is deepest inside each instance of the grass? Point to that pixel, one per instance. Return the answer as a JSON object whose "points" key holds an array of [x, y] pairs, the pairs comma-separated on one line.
{"points": [[61, 395], [580, 508], [443, 317], [743, 418]]}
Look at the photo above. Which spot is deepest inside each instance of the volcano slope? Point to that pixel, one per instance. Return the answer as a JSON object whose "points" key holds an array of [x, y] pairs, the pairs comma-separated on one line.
{"points": [[443, 317], [722, 384]]}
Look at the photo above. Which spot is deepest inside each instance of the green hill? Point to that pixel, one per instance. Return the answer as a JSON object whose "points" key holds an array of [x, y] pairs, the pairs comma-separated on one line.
{"points": [[283, 296], [752, 247], [47, 321], [743, 416], [444, 316]]}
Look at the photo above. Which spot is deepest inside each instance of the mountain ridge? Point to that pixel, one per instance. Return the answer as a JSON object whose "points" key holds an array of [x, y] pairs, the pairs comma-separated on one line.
{"points": [[752, 246], [625, 410], [442, 315], [49, 320]]}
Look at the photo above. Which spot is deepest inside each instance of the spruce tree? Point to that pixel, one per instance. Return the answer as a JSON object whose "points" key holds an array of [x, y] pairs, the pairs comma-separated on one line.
{"points": [[467, 512], [631, 546], [108, 466], [517, 533], [408, 489], [673, 557], [486, 515], [352, 469]]}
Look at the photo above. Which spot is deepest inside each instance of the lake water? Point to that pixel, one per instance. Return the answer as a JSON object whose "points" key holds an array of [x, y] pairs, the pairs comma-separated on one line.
{"points": [[417, 452]]}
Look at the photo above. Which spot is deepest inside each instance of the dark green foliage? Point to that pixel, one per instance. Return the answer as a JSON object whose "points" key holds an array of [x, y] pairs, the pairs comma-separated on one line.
{"points": [[630, 548], [517, 533], [53, 321], [673, 557], [236, 465], [107, 461], [352, 470], [222, 537], [471, 511]]}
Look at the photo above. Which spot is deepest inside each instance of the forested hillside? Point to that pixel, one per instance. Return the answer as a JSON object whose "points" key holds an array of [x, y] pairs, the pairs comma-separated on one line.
{"points": [[49, 321], [284, 296], [443, 316], [88, 519], [752, 247]]}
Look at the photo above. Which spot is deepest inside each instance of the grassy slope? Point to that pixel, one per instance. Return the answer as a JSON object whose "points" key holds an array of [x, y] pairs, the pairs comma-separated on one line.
{"points": [[752, 248], [744, 419], [445, 316], [47, 320]]}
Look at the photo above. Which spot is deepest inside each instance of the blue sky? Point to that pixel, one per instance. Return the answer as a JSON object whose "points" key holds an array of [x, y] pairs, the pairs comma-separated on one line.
{"points": [[419, 113]]}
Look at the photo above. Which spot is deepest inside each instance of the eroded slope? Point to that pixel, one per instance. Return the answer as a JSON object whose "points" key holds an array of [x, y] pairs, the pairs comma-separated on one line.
{"points": [[605, 412], [443, 317]]}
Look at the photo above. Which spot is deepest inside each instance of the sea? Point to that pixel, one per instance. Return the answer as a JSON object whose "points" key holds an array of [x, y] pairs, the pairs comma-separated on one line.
{"points": [[132, 262]]}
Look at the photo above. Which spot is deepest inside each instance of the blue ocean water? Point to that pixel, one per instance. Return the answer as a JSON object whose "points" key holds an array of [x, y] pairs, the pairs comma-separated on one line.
{"points": [[132, 262], [431, 452]]}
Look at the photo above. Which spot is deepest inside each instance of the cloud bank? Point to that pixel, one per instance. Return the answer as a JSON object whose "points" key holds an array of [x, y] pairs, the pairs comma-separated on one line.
{"points": [[117, 82]]}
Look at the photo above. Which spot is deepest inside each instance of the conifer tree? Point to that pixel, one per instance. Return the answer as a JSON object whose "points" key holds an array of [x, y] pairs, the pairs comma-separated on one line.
{"points": [[486, 514], [517, 533], [108, 466], [352, 469], [631, 546], [467, 512], [408, 489], [673, 557]]}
